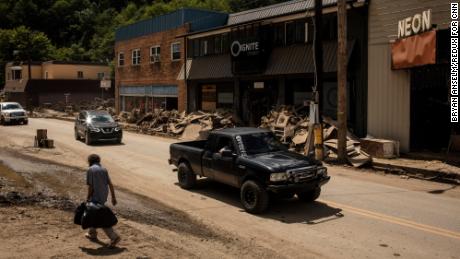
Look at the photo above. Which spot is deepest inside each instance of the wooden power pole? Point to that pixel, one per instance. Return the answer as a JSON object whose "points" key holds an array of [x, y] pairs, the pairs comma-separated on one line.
{"points": [[318, 49], [342, 80]]}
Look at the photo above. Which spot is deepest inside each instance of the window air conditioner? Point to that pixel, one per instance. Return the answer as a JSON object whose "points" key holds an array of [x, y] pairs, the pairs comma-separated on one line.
{"points": [[155, 58]]}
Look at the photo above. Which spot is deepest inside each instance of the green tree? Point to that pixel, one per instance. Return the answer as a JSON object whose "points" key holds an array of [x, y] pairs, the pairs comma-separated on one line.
{"points": [[23, 44]]}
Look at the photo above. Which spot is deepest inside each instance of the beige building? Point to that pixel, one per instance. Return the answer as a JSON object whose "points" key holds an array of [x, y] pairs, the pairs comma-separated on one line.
{"points": [[50, 81], [408, 105]]}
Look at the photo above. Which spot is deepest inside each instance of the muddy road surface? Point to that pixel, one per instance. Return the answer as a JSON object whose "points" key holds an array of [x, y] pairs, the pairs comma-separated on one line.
{"points": [[359, 215], [37, 200]]}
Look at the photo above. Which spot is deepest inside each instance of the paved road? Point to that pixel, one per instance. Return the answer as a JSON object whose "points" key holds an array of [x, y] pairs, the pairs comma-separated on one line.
{"points": [[359, 214]]}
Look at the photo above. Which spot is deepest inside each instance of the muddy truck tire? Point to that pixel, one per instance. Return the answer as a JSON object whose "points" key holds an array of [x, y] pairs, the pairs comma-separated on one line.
{"points": [[185, 176], [254, 197], [310, 195], [77, 137], [88, 140]]}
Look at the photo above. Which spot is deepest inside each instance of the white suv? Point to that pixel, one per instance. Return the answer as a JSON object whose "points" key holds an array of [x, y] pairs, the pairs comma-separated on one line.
{"points": [[12, 112]]}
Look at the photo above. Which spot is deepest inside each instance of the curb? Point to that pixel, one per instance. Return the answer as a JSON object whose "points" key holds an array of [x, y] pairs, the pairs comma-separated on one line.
{"points": [[423, 174]]}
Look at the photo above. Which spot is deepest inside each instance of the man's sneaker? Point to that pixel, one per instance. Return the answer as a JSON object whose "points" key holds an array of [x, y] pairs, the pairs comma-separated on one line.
{"points": [[91, 237], [114, 242]]}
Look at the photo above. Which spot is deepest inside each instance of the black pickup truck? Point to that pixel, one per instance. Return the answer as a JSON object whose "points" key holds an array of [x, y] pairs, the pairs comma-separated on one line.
{"points": [[253, 160]]}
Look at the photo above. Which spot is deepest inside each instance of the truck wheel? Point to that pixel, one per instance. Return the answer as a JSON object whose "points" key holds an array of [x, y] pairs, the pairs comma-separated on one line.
{"points": [[88, 140], [254, 197], [2, 121], [310, 195], [185, 176]]}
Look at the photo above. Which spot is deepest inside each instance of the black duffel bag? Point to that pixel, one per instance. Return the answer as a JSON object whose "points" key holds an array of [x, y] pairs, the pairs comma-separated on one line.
{"points": [[79, 213], [97, 216]]}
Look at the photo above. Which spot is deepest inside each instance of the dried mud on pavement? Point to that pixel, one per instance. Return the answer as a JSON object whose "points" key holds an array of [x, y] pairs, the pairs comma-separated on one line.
{"points": [[37, 199]]}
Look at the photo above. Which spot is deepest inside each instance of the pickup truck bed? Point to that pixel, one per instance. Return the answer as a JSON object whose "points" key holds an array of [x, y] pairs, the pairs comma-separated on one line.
{"points": [[190, 151]]}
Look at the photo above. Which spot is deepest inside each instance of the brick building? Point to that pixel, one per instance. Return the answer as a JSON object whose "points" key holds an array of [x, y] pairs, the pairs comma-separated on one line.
{"points": [[149, 59]]}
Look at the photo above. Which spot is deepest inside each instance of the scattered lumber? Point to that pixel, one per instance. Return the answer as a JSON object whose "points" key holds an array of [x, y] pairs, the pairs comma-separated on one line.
{"points": [[291, 126]]}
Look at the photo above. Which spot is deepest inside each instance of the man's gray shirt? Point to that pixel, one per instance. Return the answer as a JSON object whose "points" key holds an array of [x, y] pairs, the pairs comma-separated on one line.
{"points": [[98, 178]]}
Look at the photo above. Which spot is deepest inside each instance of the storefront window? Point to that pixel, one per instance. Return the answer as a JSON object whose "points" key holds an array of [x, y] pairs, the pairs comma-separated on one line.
{"points": [[225, 43], [295, 32], [204, 47], [279, 34], [196, 48], [148, 103], [218, 44]]}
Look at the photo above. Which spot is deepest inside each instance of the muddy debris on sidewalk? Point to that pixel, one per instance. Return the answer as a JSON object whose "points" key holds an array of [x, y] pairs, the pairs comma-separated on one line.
{"points": [[292, 126], [62, 109], [192, 126]]}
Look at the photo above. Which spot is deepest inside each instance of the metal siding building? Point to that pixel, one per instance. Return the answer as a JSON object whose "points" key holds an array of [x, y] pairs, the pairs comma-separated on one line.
{"points": [[198, 20], [389, 90]]}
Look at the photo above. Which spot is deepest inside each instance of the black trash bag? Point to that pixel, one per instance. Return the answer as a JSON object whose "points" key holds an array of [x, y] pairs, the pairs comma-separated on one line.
{"points": [[98, 216], [79, 213]]}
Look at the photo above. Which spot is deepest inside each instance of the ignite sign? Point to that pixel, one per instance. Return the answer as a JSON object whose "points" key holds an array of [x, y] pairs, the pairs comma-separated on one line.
{"points": [[237, 48]]}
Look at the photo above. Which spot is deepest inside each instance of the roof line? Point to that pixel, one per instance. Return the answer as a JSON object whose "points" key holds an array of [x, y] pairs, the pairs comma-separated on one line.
{"points": [[175, 11], [265, 7]]}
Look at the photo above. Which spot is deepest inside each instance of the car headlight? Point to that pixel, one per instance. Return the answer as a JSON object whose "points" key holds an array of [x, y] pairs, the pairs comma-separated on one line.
{"points": [[322, 171], [278, 177], [117, 128]]}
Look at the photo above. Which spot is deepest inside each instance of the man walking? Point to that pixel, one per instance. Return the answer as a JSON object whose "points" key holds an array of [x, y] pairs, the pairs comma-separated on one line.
{"points": [[98, 181]]}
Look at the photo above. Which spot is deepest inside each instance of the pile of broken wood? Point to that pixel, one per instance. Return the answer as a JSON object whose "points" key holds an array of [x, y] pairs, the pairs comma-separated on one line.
{"points": [[291, 126], [60, 109], [192, 126]]}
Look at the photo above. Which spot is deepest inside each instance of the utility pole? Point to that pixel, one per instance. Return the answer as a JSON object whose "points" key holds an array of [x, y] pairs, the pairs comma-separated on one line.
{"points": [[29, 60], [342, 80], [318, 49]]}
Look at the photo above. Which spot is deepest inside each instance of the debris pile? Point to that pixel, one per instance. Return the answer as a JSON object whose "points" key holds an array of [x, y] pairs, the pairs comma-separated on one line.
{"points": [[192, 126], [292, 127], [97, 104], [61, 109]]}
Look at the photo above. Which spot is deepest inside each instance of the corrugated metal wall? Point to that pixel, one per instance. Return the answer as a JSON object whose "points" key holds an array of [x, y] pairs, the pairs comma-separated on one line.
{"points": [[204, 19], [389, 90]]}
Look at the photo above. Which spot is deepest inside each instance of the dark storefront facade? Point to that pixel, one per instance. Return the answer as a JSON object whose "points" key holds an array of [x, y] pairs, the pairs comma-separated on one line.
{"points": [[254, 64]]}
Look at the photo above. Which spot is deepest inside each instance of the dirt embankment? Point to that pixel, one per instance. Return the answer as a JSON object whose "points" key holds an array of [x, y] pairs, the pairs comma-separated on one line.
{"points": [[37, 199]]}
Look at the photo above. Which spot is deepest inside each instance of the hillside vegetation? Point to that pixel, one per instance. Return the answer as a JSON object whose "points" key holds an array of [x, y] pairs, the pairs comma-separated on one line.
{"points": [[83, 30]]}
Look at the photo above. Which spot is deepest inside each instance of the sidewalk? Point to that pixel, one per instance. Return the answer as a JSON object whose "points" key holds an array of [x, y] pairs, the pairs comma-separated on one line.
{"points": [[422, 165]]}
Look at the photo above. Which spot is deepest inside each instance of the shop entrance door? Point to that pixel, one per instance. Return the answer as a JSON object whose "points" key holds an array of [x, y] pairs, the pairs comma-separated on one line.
{"points": [[258, 98], [430, 114]]}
